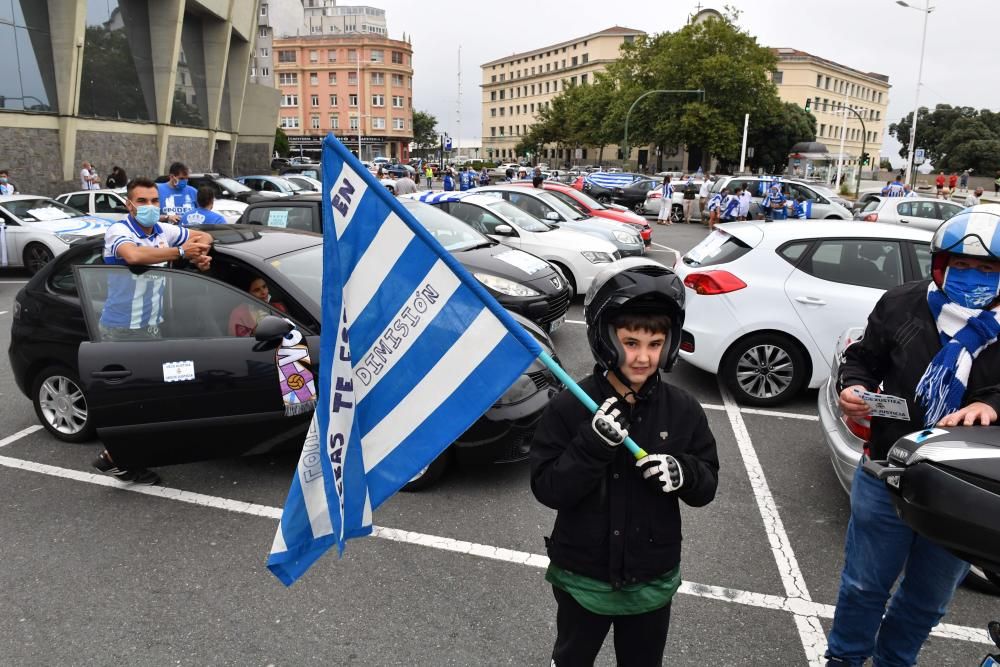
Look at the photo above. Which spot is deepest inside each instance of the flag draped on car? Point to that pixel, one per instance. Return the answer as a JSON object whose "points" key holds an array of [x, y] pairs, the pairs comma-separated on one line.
{"points": [[413, 351], [610, 180]]}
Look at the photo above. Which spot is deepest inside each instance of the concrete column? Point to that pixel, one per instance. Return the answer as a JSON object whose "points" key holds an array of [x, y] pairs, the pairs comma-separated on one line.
{"points": [[216, 36], [166, 20], [67, 26]]}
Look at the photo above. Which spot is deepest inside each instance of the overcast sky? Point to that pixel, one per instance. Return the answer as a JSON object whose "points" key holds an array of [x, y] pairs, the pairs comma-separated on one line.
{"points": [[960, 64]]}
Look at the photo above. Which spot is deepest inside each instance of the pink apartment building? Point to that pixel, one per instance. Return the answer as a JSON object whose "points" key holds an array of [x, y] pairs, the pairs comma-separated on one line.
{"points": [[358, 86]]}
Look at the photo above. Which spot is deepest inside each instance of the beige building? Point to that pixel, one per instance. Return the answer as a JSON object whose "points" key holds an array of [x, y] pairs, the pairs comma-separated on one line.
{"points": [[802, 77], [517, 87]]}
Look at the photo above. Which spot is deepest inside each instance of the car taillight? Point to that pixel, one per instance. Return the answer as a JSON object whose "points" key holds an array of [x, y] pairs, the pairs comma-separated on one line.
{"points": [[714, 282], [871, 217], [861, 430], [654, 195]]}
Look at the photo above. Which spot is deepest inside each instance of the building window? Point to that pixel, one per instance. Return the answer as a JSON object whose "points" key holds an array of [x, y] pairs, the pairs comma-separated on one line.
{"points": [[288, 78], [501, 130], [827, 86], [377, 56], [352, 55], [493, 79], [332, 78], [532, 107], [583, 79], [355, 123], [286, 56], [585, 58], [335, 122], [397, 57], [333, 100], [493, 96], [289, 100], [378, 100], [331, 55], [290, 122], [777, 76], [264, 52], [315, 122], [352, 100], [378, 123], [397, 80], [352, 78], [502, 111], [573, 61], [313, 78], [314, 100], [378, 78], [313, 56], [265, 71], [397, 101], [262, 32], [263, 9], [501, 94], [398, 124], [493, 131], [493, 112]]}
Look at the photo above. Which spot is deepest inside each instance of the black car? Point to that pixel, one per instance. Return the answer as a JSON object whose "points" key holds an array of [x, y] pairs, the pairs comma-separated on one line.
{"points": [[634, 196], [279, 162], [229, 402], [225, 187], [521, 282]]}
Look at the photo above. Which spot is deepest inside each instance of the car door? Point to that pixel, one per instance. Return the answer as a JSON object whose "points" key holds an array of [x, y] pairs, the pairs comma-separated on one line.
{"points": [[921, 214], [14, 237], [837, 284], [192, 391], [80, 202], [946, 210], [109, 205]]}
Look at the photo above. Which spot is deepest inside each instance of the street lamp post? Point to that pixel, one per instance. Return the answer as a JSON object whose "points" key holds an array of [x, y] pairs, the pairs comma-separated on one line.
{"points": [[926, 9], [625, 147]]}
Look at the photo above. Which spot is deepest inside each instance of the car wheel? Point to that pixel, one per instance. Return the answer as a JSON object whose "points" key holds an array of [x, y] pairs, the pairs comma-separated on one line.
{"points": [[430, 475], [676, 213], [639, 208], [61, 405], [984, 581], [35, 257], [834, 217], [570, 280], [604, 199], [764, 369]]}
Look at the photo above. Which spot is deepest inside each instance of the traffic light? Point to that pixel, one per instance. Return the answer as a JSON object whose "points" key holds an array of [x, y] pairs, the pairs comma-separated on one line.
{"points": [[865, 158], [808, 105]]}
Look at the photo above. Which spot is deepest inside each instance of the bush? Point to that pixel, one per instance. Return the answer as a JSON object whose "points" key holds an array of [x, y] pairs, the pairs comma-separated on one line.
{"points": [[845, 188]]}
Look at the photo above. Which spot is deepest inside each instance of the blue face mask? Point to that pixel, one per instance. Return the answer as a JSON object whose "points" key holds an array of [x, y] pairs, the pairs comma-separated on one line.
{"points": [[147, 215], [971, 288], [3, 179], [182, 183]]}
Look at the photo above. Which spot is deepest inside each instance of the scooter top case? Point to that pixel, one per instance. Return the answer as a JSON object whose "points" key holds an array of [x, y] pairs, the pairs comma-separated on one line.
{"points": [[945, 484]]}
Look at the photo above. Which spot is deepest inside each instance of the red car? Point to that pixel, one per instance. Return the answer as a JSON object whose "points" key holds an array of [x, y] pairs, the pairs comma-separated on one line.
{"points": [[587, 205]]}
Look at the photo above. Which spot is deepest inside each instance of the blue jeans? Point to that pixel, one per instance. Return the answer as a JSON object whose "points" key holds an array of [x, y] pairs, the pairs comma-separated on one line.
{"points": [[878, 549]]}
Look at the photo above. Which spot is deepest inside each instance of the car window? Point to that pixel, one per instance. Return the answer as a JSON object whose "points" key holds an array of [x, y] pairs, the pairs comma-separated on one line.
{"points": [[108, 203], [303, 268], [566, 199], [62, 279], [864, 262], [79, 202], [924, 209], [793, 251], [285, 217], [34, 210], [795, 190], [126, 304], [234, 187], [946, 210], [923, 253], [716, 248], [520, 219], [529, 205], [455, 236], [871, 205]]}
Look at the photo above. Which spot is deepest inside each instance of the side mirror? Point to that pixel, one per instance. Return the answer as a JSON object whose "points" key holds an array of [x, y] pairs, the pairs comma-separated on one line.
{"points": [[503, 230], [552, 215], [272, 328]]}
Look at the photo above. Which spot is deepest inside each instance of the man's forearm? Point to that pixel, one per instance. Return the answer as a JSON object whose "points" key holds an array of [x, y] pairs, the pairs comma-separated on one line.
{"points": [[145, 256]]}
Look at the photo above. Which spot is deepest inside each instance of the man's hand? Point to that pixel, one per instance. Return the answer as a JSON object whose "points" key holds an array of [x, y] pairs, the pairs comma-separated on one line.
{"points": [[195, 248], [662, 471], [851, 404], [608, 423], [203, 263], [173, 217], [970, 415]]}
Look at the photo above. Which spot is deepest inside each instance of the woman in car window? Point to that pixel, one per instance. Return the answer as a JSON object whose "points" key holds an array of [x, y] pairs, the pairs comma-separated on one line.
{"points": [[245, 317]]}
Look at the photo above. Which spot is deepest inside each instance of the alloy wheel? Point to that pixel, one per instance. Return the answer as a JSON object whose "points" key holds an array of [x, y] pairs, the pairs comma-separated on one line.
{"points": [[764, 371], [63, 405]]}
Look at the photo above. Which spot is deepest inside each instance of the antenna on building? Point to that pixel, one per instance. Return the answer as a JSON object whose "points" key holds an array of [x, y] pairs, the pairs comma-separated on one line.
{"points": [[458, 104]]}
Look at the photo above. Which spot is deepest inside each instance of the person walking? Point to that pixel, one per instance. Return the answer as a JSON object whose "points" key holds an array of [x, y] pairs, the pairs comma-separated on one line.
{"points": [[746, 199], [934, 344], [449, 181], [484, 177], [714, 209], [964, 180], [605, 568], [703, 194], [429, 176], [666, 203], [953, 181], [939, 182], [730, 205]]}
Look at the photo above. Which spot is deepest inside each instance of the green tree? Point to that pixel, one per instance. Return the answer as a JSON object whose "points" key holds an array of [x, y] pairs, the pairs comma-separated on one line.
{"points": [[772, 137], [425, 135], [954, 138], [281, 143], [109, 84]]}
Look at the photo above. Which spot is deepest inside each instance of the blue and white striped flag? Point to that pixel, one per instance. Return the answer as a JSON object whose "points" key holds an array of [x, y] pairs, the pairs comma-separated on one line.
{"points": [[606, 180], [413, 351]]}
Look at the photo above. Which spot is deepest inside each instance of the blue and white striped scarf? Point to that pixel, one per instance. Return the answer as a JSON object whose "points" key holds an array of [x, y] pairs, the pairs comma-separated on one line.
{"points": [[965, 332]]}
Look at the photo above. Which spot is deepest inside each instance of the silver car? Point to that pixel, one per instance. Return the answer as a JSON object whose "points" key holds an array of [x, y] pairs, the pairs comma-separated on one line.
{"points": [[823, 206], [845, 438], [923, 212]]}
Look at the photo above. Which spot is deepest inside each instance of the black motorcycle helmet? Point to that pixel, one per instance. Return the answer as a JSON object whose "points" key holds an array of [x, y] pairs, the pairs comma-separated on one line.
{"points": [[632, 285]]}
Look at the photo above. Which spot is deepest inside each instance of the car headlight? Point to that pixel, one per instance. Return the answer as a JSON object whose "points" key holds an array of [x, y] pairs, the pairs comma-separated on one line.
{"points": [[523, 388], [504, 286], [626, 238], [70, 238], [597, 257]]}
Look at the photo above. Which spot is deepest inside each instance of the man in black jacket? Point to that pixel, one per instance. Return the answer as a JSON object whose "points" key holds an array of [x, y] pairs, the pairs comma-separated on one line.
{"points": [[932, 343], [616, 545]]}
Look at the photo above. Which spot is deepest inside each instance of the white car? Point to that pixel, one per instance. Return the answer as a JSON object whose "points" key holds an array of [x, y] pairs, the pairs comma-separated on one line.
{"points": [[767, 301], [230, 209], [652, 203], [33, 230], [500, 171], [922, 212], [578, 256], [307, 183], [105, 203]]}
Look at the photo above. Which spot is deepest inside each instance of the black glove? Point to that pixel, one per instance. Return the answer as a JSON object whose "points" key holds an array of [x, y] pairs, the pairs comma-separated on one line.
{"points": [[608, 424], [662, 471]]}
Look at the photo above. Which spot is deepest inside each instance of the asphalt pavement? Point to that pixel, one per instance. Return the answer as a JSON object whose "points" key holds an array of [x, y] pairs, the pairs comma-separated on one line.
{"points": [[99, 573]]}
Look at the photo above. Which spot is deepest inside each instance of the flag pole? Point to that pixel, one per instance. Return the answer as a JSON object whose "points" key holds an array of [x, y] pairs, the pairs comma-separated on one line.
{"points": [[550, 363]]}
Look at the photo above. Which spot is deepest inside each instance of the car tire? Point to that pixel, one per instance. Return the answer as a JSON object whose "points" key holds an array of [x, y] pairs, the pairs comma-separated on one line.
{"points": [[676, 213], [984, 581], [430, 475], [834, 217], [570, 280], [764, 369], [58, 398], [603, 199], [36, 256], [639, 208]]}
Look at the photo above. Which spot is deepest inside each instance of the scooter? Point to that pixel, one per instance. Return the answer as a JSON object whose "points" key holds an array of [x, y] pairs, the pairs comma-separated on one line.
{"points": [[945, 484]]}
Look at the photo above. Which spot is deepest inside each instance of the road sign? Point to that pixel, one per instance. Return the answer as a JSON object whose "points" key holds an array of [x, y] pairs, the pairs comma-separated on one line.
{"points": [[447, 144], [918, 156]]}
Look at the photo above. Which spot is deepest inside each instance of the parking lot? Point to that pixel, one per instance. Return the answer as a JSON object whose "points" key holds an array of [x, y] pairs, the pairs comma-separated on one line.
{"points": [[96, 572]]}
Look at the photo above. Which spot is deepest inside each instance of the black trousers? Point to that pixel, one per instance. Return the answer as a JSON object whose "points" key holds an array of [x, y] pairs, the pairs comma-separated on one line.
{"points": [[639, 639]]}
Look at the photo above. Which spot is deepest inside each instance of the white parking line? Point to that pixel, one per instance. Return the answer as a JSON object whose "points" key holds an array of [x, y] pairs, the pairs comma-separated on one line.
{"points": [[797, 606], [806, 621], [20, 434], [767, 413], [13, 282], [575, 322], [3, 312]]}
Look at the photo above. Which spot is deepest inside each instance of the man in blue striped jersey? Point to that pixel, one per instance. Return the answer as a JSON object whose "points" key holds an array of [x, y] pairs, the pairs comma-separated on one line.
{"points": [[133, 309], [666, 202]]}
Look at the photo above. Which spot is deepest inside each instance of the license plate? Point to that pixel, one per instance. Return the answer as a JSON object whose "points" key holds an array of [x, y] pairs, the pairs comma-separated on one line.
{"points": [[555, 324], [893, 481]]}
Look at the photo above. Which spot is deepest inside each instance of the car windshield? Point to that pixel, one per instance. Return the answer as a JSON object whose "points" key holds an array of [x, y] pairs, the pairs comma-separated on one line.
{"points": [[235, 187], [304, 269], [570, 202], [294, 187], [521, 219], [37, 210], [449, 231], [589, 201], [565, 211]]}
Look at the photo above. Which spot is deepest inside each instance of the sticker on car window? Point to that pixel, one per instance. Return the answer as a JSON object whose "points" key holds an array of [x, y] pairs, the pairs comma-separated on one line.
{"points": [[709, 246], [522, 260], [48, 213], [178, 371], [277, 219]]}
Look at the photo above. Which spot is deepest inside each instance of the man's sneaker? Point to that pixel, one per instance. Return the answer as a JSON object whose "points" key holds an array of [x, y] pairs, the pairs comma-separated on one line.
{"points": [[134, 475]]}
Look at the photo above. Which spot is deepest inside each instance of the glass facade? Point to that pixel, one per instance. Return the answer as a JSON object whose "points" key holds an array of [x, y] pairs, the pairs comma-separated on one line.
{"points": [[190, 94], [115, 63], [27, 80]]}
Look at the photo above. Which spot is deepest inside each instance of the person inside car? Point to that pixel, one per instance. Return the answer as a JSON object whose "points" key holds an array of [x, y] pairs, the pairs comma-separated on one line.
{"points": [[133, 309], [245, 317]]}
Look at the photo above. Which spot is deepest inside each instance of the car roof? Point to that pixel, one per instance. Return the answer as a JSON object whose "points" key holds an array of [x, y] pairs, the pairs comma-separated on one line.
{"points": [[87, 192], [818, 229], [436, 197]]}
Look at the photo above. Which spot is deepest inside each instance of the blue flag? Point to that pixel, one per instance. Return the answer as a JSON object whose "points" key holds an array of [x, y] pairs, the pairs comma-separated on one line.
{"points": [[605, 180], [413, 351]]}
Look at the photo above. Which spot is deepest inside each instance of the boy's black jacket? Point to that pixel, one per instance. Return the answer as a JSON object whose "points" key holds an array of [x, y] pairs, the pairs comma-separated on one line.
{"points": [[612, 525], [900, 341]]}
